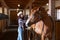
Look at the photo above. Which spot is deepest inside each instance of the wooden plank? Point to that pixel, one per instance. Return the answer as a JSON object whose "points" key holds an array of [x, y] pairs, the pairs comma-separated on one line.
{"points": [[4, 4]]}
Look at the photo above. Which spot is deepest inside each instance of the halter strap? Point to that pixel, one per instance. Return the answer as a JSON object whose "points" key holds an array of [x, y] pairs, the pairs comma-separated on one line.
{"points": [[43, 27]]}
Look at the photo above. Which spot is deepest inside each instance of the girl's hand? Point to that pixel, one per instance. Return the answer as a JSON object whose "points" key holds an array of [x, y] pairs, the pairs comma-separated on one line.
{"points": [[28, 28]]}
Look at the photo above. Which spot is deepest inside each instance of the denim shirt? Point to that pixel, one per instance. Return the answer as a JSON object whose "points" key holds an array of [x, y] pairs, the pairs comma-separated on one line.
{"points": [[20, 23]]}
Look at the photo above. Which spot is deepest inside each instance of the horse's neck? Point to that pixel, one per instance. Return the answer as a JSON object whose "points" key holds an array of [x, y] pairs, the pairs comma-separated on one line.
{"points": [[47, 21], [39, 27]]}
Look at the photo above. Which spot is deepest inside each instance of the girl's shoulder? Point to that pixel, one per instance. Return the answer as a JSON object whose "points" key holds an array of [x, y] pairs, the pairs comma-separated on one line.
{"points": [[20, 19]]}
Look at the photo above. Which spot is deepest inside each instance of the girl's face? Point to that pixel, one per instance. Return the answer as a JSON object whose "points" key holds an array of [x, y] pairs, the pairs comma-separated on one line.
{"points": [[21, 15]]}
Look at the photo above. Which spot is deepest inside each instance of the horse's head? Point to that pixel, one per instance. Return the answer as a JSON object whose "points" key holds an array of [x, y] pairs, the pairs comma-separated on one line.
{"points": [[34, 17]]}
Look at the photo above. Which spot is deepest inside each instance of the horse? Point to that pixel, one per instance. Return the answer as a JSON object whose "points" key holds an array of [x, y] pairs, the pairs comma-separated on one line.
{"points": [[41, 23]]}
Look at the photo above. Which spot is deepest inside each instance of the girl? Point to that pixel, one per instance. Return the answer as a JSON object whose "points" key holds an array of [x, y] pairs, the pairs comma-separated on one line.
{"points": [[20, 26]]}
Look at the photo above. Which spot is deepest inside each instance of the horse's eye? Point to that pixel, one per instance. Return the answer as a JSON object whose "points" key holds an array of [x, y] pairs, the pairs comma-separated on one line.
{"points": [[39, 11]]}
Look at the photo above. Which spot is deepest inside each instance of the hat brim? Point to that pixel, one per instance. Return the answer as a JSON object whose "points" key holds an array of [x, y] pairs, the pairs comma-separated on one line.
{"points": [[19, 13]]}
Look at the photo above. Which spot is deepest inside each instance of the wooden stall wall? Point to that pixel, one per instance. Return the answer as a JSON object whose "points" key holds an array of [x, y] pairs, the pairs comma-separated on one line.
{"points": [[57, 30], [2, 25]]}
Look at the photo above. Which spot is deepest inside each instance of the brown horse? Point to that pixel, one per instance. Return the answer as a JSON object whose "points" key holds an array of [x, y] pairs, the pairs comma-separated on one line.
{"points": [[41, 23]]}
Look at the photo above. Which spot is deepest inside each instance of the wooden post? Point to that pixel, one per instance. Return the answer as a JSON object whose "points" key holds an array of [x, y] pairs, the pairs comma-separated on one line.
{"points": [[28, 4], [3, 9], [24, 11], [52, 11]]}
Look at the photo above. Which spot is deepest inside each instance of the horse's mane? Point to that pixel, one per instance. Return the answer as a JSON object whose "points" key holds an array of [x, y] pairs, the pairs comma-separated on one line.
{"points": [[41, 14]]}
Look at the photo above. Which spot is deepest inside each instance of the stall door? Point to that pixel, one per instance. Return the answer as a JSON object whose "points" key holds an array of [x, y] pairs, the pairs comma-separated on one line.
{"points": [[13, 18]]}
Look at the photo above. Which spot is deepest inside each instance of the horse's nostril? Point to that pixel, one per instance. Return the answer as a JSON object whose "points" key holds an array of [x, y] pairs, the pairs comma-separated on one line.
{"points": [[27, 24]]}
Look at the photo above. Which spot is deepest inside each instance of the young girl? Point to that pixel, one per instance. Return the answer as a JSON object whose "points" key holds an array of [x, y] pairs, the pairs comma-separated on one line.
{"points": [[20, 26]]}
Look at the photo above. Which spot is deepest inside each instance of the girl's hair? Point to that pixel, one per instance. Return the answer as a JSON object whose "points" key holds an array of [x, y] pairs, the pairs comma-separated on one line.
{"points": [[19, 17]]}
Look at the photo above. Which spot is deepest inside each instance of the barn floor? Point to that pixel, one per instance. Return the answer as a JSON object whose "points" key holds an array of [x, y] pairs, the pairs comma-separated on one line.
{"points": [[10, 34]]}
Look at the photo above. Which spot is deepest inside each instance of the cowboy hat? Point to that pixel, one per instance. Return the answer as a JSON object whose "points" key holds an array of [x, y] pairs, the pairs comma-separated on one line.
{"points": [[19, 13]]}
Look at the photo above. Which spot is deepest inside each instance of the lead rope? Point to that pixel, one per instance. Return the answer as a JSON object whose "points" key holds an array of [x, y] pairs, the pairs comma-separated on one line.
{"points": [[42, 28], [41, 32]]}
